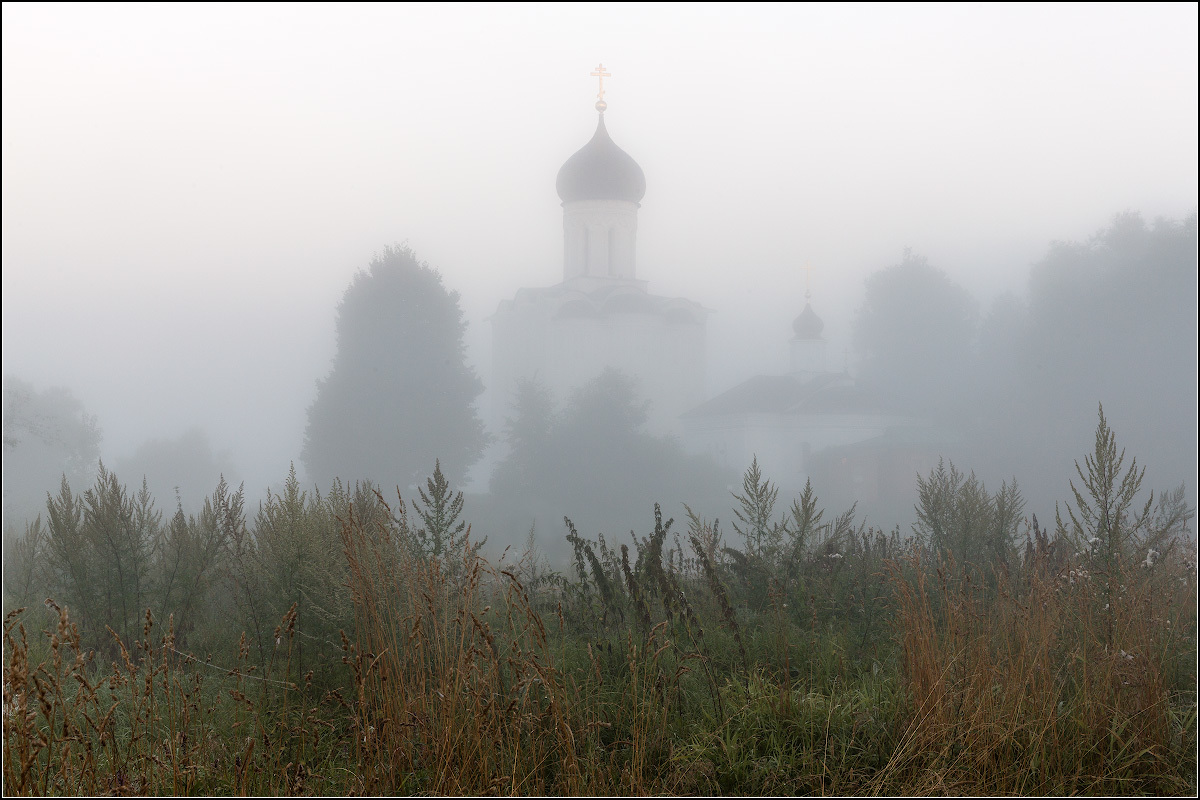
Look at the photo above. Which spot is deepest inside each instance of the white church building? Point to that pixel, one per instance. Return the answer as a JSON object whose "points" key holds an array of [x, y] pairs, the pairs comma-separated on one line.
{"points": [[602, 314], [809, 421], [812, 422]]}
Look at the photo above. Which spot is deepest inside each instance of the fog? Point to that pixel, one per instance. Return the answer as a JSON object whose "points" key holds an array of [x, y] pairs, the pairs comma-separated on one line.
{"points": [[188, 191]]}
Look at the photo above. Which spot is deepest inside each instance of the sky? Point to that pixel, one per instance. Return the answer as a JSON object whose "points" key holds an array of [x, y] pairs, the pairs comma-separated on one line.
{"points": [[189, 189]]}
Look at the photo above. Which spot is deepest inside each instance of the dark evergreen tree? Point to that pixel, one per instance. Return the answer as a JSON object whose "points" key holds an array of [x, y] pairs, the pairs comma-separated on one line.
{"points": [[528, 435], [594, 462], [400, 395]]}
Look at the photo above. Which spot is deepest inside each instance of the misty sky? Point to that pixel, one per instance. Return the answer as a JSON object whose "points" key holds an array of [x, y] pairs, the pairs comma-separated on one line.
{"points": [[188, 190]]}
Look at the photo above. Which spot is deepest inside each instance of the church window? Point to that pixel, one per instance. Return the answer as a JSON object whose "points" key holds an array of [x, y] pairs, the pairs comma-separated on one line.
{"points": [[611, 273], [587, 250]]}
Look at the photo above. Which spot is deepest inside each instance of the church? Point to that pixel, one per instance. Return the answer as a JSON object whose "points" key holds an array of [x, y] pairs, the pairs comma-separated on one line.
{"points": [[810, 421], [813, 422], [602, 314]]}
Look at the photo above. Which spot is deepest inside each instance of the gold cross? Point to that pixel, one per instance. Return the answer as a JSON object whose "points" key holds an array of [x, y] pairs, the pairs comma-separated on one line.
{"points": [[807, 276], [601, 74]]}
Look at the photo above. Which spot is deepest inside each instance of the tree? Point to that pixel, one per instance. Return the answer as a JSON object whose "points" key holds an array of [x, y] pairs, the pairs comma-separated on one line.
{"points": [[47, 436], [186, 466], [1113, 318], [528, 436], [593, 461], [400, 394], [915, 334]]}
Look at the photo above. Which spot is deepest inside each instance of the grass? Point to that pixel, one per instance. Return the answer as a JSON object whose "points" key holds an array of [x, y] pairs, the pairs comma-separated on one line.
{"points": [[1020, 690], [646, 674]]}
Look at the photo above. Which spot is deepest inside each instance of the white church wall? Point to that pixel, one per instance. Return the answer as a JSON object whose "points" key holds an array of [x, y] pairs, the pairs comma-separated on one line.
{"points": [[599, 239], [665, 358], [782, 443], [809, 357]]}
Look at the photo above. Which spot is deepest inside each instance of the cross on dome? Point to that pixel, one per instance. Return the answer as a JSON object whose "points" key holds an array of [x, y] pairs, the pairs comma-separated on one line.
{"points": [[601, 74]]}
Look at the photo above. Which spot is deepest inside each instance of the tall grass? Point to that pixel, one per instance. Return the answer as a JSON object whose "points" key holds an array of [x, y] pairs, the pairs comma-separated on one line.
{"points": [[155, 724], [650, 673], [460, 686], [1018, 690]]}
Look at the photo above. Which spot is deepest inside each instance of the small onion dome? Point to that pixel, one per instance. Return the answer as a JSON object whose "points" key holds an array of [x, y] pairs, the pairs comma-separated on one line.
{"points": [[808, 325], [601, 171]]}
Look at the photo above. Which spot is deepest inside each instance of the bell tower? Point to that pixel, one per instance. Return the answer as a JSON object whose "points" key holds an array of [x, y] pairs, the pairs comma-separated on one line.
{"points": [[601, 188]]}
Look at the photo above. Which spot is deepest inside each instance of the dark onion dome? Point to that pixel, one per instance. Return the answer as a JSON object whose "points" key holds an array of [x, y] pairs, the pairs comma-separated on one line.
{"points": [[808, 325], [601, 171]]}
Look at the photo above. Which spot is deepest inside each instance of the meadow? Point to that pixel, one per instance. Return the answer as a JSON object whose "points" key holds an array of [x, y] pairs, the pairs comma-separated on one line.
{"points": [[352, 644]]}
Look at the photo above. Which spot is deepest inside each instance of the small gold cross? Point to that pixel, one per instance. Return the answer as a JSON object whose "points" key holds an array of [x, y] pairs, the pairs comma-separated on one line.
{"points": [[601, 74], [807, 277]]}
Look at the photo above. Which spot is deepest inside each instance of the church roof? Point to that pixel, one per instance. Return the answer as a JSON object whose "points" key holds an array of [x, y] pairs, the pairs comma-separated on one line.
{"points": [[601, 171], [808, 325], [902, 437], [566, 302], [790, 394]]}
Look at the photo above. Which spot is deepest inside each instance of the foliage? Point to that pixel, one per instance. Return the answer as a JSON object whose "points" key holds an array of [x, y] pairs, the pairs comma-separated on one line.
{"points": [[958, 519], [295, 558], [190, 554], [862, 663], [592, 460], [155, 724], [1106, 523], [762, 535], [400, 393], [442, 534], [1107, 529], [48, 436], [1029, 690], [26, 572], [100, 547], [915, 334], [1127, 292], [1112, 317], [186, 466]]}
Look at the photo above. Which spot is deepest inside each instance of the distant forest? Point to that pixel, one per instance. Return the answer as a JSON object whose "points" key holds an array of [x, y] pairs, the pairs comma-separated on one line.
{"points": [[1110, 320]]}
